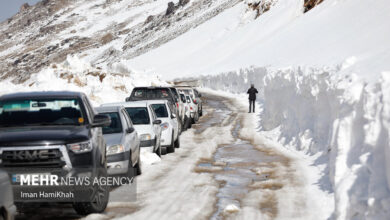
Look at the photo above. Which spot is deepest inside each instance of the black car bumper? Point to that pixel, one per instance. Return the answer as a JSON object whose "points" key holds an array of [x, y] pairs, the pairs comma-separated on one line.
{"points": [[118, 157], [148, 143]]}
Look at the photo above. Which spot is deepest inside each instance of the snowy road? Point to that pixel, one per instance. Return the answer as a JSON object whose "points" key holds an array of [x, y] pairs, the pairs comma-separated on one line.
{"points": [[216, 174]]}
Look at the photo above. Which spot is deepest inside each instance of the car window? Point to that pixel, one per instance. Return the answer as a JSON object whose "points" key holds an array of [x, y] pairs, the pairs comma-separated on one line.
{"points": [[188, 99], [116, 124], [196, 93], [160, 110], [138, 115], [155, 93], [183, 98], [140, 93], [31, 112]]}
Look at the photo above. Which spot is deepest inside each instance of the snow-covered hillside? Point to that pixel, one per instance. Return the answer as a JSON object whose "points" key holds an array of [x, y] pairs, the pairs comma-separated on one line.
{"points": [[335, 31], [102, 32]]}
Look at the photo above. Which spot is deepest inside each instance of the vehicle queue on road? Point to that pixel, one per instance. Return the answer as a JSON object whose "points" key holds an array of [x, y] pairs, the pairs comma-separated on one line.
{"points": [[152, 118]]}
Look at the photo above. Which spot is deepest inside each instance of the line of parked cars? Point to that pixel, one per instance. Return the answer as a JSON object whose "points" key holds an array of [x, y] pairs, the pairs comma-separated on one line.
{"points": [[61, 133]]}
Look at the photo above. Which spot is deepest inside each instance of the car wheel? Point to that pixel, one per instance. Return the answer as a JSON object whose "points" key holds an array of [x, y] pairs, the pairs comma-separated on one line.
{"points": [[180, 125], [130, 169], [158, 151], [196, 117], [2, 214], [184, 125], [171, 149], [163, 150], [137, 167], [99, 199], [177, 142]]}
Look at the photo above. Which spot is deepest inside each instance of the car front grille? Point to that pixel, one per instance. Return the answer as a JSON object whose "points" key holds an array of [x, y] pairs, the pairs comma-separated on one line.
{"points": [[34, 157]]}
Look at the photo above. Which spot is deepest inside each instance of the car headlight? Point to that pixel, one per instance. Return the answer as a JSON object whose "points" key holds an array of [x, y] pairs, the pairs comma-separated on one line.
{"points": [[164, 126], [79, 148], [115, 149], [145, 137]]}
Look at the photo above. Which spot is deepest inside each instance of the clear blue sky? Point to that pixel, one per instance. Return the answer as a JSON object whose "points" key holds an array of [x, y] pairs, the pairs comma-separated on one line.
{"points": [[11, 7]]}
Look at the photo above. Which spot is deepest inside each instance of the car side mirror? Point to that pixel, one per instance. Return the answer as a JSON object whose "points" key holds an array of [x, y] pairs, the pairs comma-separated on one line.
{"points": [[173, 115], [101, 121], [127, 99], [130, 130], [157, 122]]}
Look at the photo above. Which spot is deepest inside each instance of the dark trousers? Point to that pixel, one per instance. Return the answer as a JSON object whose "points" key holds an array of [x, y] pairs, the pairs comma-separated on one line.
{"points": [[252, 103]]}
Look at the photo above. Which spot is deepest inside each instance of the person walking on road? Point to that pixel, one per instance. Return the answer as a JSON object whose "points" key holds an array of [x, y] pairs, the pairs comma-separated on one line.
{"points": [[252, 97]]}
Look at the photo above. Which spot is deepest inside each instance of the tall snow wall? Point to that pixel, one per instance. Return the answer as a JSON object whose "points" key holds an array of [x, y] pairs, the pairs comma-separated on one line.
{"points": [[338, 118]]}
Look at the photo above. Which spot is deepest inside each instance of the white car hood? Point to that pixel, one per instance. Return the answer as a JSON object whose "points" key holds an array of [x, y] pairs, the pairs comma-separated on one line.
{"points": [[144, 129]]}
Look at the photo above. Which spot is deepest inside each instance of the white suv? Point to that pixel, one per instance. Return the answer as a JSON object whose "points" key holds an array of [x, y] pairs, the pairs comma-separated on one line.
{"points": [[195, 97], [186, 115], [145, 122], [193, 109], [170, 138]]}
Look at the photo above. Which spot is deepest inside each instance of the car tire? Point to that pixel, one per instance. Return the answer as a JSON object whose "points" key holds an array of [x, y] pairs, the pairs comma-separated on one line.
{"points": [[137, 167], [177, 142], [184, 126], [180, 124], [196, 117], [98, 204], [158, 151], [190, 122], [2, 214], [171, 149], [163, 150], [130, 169]]}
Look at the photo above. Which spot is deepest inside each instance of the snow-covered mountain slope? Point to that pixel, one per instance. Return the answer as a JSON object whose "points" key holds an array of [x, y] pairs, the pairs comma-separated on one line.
{"points": [[333, 32]]}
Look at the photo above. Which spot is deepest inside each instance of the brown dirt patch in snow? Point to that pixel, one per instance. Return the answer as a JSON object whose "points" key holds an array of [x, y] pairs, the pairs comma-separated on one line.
{"points": [[269, 205], [310, 4]]}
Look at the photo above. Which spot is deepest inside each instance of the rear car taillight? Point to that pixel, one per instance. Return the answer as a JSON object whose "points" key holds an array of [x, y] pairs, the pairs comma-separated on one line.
{"points": [[177, 104]]}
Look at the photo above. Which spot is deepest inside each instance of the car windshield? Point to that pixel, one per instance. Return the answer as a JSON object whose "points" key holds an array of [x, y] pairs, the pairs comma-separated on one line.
{"points": [[139, 115], [160, 110], [115, 126], [39, 112], [143, 94]]}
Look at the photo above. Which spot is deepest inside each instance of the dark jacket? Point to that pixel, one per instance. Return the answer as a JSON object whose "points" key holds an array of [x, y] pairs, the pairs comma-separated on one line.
{"points": [[252, 93]]}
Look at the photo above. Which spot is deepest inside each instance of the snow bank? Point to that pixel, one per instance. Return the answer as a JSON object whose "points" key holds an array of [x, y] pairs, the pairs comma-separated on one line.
{"points": [[110, 84], [339, 119]]}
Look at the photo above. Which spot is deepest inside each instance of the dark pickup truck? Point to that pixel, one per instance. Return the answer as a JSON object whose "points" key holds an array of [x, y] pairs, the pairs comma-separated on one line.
{"points": [[50, 140]]}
